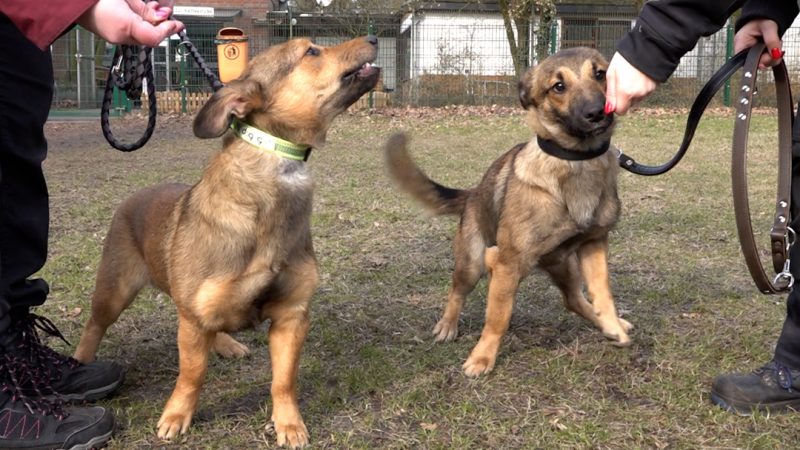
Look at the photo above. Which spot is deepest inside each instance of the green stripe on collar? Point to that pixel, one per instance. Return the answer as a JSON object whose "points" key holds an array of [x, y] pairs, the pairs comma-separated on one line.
{"points": [[268, 142]]}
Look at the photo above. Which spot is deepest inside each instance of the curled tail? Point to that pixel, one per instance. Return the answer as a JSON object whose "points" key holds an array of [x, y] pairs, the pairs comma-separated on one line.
{"points": [[437, 198]]}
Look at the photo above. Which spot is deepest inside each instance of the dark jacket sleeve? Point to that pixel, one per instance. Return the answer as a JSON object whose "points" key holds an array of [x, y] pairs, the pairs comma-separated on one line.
{"points": [[782, 12], [667, 29], [44, 23]]}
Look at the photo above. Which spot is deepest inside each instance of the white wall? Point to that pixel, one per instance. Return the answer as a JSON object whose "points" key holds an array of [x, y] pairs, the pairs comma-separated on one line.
{"points": [[459, 44]]}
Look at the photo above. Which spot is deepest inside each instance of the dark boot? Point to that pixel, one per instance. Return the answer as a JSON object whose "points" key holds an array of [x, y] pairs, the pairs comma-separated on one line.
{"points": [[55, 374], [771, 388], [34, 422]]}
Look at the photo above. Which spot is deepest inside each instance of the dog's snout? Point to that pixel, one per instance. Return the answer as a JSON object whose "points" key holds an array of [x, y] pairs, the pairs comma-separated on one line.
{"points": [[372, 39]]}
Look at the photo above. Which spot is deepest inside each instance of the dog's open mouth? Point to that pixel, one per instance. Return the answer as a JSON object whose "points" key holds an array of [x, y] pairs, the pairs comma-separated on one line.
{"points": [[357, 81], [367, 70], [599, 129]]}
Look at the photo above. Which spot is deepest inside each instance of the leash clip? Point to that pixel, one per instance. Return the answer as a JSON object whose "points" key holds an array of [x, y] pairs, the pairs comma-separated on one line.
{"points": [[117, 67], [785, 275]]}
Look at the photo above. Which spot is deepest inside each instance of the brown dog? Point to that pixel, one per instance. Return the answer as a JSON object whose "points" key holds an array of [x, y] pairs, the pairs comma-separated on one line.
{"points": [[548, 203], [235, 249]]}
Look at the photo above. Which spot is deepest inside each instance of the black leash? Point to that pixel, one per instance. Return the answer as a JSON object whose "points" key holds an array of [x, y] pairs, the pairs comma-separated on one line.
{"points": [[695, 113], [132, 65]]}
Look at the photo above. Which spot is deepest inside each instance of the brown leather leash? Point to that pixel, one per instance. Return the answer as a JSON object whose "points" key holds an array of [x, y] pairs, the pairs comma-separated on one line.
{"points": [[782, 237]]}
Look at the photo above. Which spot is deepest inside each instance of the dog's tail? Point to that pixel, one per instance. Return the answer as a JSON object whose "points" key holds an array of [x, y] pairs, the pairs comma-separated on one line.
{"points": [[438, 199]]}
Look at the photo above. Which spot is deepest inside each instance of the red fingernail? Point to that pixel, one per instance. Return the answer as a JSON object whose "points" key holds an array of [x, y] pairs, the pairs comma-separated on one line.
{"points": [[776, 53], [609, 108]]}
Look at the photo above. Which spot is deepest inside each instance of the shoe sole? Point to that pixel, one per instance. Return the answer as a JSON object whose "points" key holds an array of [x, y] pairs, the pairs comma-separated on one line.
{"points": [[95, 442], [747, 409]]}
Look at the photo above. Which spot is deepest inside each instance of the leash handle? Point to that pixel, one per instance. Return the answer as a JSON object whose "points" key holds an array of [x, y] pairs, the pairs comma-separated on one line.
{"points": [[781, 235], [133, 89], [131, 83]]}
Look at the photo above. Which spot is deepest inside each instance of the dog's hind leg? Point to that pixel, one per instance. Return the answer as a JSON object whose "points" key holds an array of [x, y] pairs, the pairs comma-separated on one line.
{"points": [[503, 286], [469, 267], [120, 276], [228, 347], [593, 257]]}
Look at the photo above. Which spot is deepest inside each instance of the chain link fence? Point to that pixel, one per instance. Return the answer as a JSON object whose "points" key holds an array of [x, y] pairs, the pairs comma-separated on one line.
{"points": [[428, 58]]}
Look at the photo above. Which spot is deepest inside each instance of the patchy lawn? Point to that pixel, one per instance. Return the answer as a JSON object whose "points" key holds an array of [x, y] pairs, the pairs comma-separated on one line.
{"points": [[371, 375]]}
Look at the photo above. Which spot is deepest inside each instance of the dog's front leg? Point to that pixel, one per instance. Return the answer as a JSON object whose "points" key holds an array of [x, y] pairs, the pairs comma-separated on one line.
{"points": [[287, 333], [594, 265], [194, 344], [286, 336], [505, 278]]}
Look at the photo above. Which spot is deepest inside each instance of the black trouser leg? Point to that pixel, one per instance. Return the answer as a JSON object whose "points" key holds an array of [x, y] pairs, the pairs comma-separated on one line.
{"points": [[787, 351], [26, 88]]}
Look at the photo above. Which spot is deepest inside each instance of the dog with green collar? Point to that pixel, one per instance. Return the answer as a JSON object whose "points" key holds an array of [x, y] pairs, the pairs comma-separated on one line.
{"points": [[235, 248]]}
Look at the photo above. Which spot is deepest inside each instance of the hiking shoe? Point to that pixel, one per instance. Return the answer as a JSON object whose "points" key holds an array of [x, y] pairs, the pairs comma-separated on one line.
{"points": [[42, 424], [51, 374], [771, 388]]}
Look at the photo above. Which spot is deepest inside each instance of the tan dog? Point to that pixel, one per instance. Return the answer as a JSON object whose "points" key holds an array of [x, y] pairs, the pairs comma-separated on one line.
{"points": [[533, 208], [235, 249]]}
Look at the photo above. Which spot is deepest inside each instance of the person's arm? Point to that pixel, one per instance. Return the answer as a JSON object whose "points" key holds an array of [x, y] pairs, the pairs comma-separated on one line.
{"points": [[130, 21], [43, 24], [117, 21], [668, 29]]}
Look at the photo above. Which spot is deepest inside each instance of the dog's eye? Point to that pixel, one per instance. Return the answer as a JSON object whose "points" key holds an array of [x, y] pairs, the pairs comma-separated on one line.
{"points": [[600, 75], [312, 51], [559, 87]]}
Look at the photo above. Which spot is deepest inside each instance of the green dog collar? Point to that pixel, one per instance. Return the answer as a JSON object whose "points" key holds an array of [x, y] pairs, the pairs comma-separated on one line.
{"points": [[270, 143]]}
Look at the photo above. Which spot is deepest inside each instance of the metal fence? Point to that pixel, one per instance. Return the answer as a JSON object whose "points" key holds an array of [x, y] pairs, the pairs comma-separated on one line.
{"points": [[427, 59]]}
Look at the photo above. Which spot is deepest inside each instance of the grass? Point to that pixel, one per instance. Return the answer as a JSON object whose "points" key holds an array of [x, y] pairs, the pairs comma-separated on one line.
{"points": [[371, 376]]}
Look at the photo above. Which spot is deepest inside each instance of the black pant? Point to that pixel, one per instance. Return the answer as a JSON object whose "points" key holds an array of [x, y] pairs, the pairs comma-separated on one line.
{"points": [[26, 90], [787, 350]]}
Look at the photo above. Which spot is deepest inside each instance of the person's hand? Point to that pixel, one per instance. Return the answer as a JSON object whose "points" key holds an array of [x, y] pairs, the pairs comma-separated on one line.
{"points": [[760, 30], [130, 22], [625, 85]]}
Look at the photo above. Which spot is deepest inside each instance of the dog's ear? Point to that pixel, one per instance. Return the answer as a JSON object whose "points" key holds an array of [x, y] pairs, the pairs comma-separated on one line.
{"points": [[525, 94], [237, 98]]}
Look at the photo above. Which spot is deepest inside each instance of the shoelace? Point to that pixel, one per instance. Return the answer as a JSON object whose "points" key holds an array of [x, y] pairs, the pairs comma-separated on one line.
{"points": [[784, 376], [16, 377], [48, 361]]}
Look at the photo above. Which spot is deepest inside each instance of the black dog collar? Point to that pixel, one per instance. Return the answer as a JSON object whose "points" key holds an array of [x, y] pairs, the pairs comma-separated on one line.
{"points": [[553, 149]]}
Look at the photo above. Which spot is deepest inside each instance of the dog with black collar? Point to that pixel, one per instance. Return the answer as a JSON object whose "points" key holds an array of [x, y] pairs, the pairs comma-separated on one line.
{"points": [[549, 203]]}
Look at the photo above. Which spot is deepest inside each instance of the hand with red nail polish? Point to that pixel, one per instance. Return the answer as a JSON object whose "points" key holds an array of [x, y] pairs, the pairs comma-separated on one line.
{"points": [[760, 30]]}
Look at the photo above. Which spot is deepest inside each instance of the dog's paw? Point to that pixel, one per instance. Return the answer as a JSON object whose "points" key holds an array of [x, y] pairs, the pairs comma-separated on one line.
{"points": [[445, 330], [627, 326], [620, 339], [228, 347], [171, 425], [292, 435], [476, 366]]}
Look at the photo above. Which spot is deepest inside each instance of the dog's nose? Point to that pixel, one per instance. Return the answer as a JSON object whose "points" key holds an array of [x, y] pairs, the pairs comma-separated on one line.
{"points": [[594, 114], [372, 39]]}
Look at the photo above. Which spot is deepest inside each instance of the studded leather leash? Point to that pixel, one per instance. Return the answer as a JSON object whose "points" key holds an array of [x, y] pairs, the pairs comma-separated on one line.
{"points": [[132, 65], [782, 236]]}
